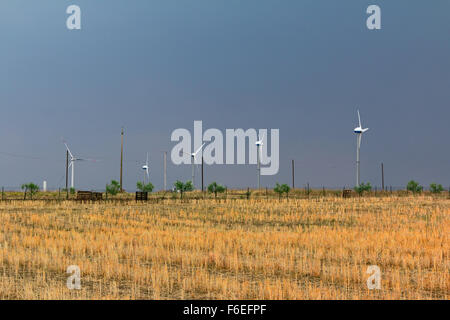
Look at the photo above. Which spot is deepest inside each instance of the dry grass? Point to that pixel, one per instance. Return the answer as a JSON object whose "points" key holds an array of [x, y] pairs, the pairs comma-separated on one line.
{"points": [[240, 249]]}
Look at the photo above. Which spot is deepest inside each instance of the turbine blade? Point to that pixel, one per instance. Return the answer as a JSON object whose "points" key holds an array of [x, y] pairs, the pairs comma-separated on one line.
{"points": [[86, 159], [359, 120], [195, 153], [67, 147], [359, 140]]}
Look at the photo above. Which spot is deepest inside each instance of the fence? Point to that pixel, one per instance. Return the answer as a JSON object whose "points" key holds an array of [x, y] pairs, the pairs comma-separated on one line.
{"points": [[262, 194]]}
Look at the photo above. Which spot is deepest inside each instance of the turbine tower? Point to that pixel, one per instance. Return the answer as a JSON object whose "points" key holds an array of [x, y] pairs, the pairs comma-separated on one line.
{"points": [[259, 145], [193, 157], [72, 160], [145, 167], [359, 131]]}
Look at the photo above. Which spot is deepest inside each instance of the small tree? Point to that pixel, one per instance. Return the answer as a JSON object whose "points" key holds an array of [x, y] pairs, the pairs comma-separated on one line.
{"points": [[414, 187], [363, 187], [144, 187], [215, 188], [31, 188], [436, 188], [113, 188], [280, 189], [183, 187]]}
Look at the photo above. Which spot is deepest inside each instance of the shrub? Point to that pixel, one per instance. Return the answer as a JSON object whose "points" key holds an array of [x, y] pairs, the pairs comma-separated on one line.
{"points": [[31, 188], [113, 188], [144, 187], [183, 187], [215, 188], [280, 189], [436, 188], [363, 187], [414, 187]]}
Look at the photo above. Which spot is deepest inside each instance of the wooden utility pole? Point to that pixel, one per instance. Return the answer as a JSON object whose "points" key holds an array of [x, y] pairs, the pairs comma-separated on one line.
{"points": [[202, 176], [293, 179], [67, 174], [382, 176], [165, 170], [121, 162]]}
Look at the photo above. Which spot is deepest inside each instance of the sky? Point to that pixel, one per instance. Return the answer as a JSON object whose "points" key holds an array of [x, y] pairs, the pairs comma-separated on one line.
{"points": [[303, 67]]}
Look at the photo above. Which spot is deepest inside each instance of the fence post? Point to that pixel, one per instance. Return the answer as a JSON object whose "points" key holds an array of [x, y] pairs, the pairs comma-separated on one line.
{"points": [[267, 196], [3, 193]]}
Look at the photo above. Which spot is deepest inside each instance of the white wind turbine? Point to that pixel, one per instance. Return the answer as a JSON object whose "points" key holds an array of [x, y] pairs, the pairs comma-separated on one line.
{"points": [[72, 164], [359, 131], [259, 145], [193, 157], [146, 168]]}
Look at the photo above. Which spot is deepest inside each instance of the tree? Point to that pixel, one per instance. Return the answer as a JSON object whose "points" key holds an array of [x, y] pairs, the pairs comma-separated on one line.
{"points": [[414, 187], [113, 188], [363, 187], [144, 187], [436, 188], [215, 188], [183, 187], [280, 189], [31, 188]]}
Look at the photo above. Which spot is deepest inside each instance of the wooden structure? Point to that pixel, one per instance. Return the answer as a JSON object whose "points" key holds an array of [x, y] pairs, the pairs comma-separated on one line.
{"points": [[89, 196], [347, 193], [141, 196]]}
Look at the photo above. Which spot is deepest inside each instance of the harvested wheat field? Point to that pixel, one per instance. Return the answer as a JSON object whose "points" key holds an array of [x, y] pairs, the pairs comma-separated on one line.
{"points": [[239, 249]]}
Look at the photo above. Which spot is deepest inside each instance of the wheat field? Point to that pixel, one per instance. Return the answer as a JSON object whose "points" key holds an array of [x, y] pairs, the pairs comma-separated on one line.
{"points": [[236, 249]]}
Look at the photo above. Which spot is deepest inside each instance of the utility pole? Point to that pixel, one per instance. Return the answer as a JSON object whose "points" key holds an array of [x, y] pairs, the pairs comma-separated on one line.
{"points": [[293, 179], [382, 176], [165, 170], [121, 162], [202, 175], [258, 167], [67, 174]]}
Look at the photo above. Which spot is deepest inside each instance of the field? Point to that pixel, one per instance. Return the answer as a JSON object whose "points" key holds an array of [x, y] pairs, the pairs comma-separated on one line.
{"points": [[316, 248]]}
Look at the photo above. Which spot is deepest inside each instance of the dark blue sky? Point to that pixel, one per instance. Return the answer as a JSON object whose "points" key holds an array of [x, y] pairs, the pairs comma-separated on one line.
{"points": [[153, 66]]}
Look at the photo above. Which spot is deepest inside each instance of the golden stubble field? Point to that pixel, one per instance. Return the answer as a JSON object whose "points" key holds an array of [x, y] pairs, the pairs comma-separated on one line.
{"points": [[239, 249]]}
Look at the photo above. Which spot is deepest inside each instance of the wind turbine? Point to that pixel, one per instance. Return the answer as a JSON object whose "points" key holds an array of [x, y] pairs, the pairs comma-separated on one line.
{"points": [[72, 164], [193, 157], [259, 145], [359, 131], [145, 167]]}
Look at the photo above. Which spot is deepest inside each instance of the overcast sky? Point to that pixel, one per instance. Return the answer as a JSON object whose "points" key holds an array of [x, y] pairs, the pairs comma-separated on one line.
{"points": [[303, 67]]}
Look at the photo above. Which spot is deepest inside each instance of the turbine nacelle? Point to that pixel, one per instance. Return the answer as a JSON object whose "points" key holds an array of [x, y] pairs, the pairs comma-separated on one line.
{"points": [[260, 143], [146, 167], [360, 130]]}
